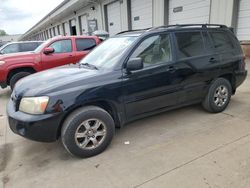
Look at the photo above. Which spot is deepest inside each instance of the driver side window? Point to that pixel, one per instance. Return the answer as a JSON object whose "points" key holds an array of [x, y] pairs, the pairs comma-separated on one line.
{"points": [[62, 46], [154, 50]]}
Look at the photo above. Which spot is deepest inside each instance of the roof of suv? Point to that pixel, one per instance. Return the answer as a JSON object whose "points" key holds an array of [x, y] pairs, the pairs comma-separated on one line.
{"points": [[20, 42], [172, 27]]}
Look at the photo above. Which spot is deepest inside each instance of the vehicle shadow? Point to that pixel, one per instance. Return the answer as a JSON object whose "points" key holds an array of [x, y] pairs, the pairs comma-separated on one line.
{"points": [[135, 132]]}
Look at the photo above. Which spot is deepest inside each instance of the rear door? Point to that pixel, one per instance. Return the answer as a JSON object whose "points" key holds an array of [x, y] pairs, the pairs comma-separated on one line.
{"points": [[83, 46], [62, 55], [224, 47], [196, 62], [156, 86]]}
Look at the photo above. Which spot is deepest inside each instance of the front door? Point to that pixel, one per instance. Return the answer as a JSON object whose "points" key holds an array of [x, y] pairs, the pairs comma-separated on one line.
{"points": [[155, 86], [62, 55]]}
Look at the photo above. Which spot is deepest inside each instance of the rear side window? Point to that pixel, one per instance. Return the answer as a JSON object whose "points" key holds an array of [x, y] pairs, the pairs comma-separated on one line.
{"points": [[221, 41], [85, 44], [24, 47], [190, 44]]}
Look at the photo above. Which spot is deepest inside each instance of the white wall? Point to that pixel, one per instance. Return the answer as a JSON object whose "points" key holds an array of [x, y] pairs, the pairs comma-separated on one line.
{"points": [[215, 11]]}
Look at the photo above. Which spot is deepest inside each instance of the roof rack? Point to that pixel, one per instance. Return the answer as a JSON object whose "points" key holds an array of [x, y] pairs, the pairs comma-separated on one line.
{"points": [[176, 26], [146, 29], [189, 25]]}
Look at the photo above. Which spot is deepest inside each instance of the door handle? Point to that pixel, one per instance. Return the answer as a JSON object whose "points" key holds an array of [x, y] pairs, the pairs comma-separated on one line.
{"points": [[70, 55], [171, 69], [212, 60]]}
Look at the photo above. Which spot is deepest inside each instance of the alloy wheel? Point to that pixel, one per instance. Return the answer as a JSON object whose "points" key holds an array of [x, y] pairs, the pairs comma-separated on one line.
{"points": [[90, 134]]}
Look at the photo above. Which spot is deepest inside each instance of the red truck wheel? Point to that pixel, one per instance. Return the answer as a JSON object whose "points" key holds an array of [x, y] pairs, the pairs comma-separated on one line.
{"points": [[17, 77]]}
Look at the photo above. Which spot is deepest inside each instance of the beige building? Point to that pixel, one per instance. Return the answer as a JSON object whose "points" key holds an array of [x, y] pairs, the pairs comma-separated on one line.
{"points": [[79, 17], [10, 38]]}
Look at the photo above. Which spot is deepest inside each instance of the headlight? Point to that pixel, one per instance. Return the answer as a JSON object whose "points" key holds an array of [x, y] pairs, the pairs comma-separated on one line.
{"points": [[2, 62], [34, 105]]}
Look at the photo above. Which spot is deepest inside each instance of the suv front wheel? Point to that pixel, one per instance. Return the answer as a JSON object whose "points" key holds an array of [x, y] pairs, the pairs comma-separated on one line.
{"points": [[218, 97], [88, 131]]}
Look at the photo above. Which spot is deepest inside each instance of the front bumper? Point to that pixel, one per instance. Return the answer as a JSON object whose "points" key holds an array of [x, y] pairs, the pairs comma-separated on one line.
{"points": [[3, 77], [240, 76], [43, 128]]}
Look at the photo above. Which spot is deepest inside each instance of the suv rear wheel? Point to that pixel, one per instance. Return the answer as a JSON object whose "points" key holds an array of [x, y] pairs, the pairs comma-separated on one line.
{"points": [[16, 77], [219, 95], [88, 131]]}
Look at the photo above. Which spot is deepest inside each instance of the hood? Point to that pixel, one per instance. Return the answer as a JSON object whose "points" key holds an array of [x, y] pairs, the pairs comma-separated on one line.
{"points": [[57, 80], [18, 56]]}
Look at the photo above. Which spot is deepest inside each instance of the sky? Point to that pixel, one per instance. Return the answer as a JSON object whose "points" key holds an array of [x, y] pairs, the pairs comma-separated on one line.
{"points": [[18, 16]]}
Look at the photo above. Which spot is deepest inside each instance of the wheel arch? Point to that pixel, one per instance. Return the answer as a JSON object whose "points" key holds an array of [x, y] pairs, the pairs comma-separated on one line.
{"points": [[106, 105], [13, 71], [231, 78]]}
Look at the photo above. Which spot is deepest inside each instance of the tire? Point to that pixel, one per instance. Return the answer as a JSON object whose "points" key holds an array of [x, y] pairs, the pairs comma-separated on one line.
{"points": [[80, 142], [218, 97], [17, 77]]}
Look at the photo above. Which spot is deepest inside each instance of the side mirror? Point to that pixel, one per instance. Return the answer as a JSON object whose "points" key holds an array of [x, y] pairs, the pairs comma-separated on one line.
{"points": [[49, 50], [134, 64]]}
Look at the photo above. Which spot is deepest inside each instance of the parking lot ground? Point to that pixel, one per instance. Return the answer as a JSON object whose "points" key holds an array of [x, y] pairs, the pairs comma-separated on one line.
{"points": [[188, 147]]}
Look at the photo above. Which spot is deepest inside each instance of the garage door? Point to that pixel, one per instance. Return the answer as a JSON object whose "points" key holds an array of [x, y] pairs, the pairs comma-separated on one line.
{"points": [[66, 27], [141, 14], [114, 17], [84, 24], [243, 24], [188, 11]]}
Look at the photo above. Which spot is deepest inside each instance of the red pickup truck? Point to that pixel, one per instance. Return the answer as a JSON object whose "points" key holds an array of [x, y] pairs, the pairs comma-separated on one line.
{"points": [[55, 52]]}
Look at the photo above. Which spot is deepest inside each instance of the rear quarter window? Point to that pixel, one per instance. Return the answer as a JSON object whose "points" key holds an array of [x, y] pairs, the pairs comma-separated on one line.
{"points": [[190, 44], [85, 44], [221, 41]]}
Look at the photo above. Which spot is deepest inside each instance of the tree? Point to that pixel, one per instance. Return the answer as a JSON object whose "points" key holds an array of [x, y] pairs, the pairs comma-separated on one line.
{"points": [[2, 32]]}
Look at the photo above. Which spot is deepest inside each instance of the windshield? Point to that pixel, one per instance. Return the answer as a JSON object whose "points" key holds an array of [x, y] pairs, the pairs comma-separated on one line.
{"points": [[107, 54]]}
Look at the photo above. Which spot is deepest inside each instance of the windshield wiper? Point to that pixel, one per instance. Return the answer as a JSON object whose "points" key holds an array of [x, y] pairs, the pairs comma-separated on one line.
{"points": [[89, 65]]}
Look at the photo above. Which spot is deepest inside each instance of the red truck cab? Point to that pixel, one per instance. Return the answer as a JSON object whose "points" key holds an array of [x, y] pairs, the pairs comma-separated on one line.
{"points": [[55, 52]]}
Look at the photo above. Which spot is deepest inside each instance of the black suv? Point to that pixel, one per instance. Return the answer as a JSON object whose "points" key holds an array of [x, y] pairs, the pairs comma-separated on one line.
{"points": [[129, 76]]}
